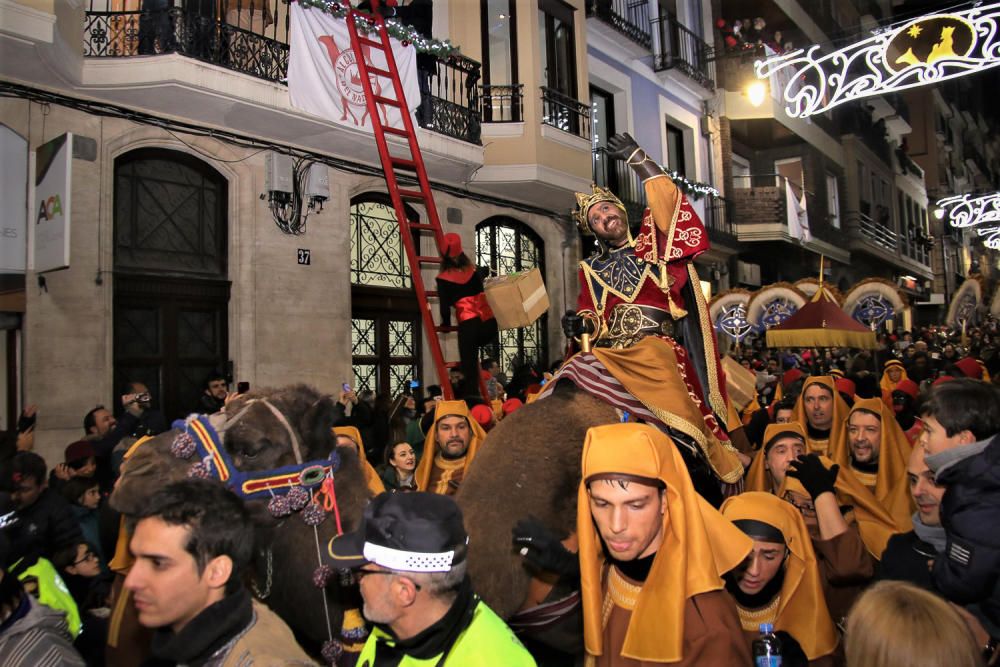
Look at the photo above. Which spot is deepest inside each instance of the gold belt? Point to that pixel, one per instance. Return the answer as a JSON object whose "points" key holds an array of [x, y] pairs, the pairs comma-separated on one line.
{"points": [[629, 323]]}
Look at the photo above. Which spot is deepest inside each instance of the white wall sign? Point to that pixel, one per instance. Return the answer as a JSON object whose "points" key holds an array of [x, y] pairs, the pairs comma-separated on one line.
{"points": [[14, 195], [50, 218]]}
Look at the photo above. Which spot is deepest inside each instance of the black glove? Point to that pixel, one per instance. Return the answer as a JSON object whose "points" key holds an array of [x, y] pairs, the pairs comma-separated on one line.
{"points": [[621, 146], [792, 654], [572, 324], [809, 470], [542, 548]]}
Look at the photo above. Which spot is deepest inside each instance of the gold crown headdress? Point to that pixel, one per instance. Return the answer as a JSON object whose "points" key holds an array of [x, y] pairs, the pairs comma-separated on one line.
{"points": [[585, 201]]}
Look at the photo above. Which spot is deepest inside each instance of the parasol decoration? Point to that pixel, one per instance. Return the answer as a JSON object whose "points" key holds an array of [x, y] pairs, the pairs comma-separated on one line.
{"points": [[809, 287], [821, 323]]}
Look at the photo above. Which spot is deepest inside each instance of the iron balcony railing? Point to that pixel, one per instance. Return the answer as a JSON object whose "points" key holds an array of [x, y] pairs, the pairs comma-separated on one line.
{"points": [[251, 37], [679, 48], [875, 233], [629, 17], [719, 218], [565, 113], [502, 103]]}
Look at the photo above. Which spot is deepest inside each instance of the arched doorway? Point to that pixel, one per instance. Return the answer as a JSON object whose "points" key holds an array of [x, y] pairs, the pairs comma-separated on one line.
{"points": [[506, 245], [385, 315], [171, 294]]}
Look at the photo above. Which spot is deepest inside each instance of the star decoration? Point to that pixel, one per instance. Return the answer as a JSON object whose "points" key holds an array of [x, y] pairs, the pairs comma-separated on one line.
{"points": [[915, 31]]}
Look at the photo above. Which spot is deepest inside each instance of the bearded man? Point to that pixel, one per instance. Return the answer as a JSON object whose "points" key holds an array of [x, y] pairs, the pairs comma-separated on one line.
{"points": [[451, 445], [641, 303]]}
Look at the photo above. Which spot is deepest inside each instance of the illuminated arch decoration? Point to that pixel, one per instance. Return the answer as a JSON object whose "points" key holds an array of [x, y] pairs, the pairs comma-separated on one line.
{"points": [[728, 312], [929, 49], [772, 305], [873, 301], [975, 210], [964, 308]]}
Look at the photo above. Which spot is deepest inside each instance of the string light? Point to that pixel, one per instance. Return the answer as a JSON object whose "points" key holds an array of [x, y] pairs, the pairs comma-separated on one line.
{"points": [[929, 49], [973, 210], [394, 27], [693, 189]]}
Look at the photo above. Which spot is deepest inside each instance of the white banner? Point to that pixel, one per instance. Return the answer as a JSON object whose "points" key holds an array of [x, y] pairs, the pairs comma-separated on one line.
{"points": [[14, 195], [53, 182], [323, 77]]}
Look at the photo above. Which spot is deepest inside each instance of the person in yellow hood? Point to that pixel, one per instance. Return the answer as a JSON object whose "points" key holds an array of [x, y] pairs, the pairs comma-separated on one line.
{"points": [[780, 582], [652, 555], [451, 445], [349, 436], [783, 443], [875, 449], [822, 411]]}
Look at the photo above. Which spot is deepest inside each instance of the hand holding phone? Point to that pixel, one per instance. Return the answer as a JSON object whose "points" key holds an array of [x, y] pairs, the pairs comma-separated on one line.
{"points": [[242, 387]]}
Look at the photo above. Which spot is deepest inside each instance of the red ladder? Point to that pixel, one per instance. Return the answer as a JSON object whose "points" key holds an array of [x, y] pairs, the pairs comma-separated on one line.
{"points": [[413, 163]]}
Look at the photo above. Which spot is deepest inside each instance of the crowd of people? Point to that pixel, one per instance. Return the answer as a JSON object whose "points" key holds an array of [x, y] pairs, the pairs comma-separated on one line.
{"points": [[842, 511], [748, 34]]}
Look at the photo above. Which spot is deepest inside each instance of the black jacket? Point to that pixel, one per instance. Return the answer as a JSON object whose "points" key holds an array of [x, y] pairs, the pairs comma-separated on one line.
{"points": [[43, 528], [969, 571], [905, 559]]}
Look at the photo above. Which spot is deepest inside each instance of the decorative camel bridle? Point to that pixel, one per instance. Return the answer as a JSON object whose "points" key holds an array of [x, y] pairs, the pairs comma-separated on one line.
{"points": [[307, 486]]}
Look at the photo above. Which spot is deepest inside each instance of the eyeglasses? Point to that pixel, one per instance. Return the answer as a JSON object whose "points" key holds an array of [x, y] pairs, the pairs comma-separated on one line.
{"points": [[361, 574], [90, 555]]}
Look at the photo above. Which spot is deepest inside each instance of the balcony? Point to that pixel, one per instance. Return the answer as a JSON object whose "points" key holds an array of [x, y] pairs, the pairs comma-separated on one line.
{"points": [[565, 113], [502, 104], [629, 17], [679, 48], [260, 50], [873, 232]]}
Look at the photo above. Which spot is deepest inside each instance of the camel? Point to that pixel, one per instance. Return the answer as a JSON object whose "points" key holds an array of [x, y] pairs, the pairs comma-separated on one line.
{"points": [[285, 549]]}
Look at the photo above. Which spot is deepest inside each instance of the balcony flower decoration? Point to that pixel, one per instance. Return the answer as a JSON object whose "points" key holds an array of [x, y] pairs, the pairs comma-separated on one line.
{"points": [[394, 27]]}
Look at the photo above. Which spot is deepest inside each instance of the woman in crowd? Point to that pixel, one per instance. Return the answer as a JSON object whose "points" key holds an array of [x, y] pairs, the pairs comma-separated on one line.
{"points": [[400, 462]]}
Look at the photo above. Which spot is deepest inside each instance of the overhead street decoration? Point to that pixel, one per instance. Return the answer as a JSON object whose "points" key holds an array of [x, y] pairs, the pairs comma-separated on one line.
{"points": [[928, 49], [975, 210]]}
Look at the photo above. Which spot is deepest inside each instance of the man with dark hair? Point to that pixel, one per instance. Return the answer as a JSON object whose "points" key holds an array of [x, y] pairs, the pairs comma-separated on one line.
{"points": [[409, 557], [192, 541], [962, 441], [214, 390], [647, 595], [149, 421], [449, 449], [44, 522]]}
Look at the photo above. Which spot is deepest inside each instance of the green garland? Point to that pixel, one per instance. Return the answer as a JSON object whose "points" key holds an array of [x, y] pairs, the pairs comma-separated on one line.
{"points": [[394, 27]]}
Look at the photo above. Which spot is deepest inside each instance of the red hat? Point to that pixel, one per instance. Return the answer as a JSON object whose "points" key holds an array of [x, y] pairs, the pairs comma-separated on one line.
{"points": [[942, 380], [970, 368], [510, 405], [79, 450], [908, 387], [482, 414], [452, 246], [845, 386], [790, 376]]}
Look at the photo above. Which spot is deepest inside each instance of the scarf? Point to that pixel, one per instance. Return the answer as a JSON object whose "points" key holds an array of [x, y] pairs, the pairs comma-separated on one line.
{"points": [[207, 632], [932, 535], [438, 639]]}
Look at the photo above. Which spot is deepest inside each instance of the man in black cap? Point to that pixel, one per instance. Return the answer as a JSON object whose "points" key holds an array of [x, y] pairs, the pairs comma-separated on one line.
{"points": [[409, 558]]}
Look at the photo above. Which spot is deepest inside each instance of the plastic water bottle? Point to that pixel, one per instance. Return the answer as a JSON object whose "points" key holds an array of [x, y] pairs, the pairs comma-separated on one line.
{"points": [[767, 648]]}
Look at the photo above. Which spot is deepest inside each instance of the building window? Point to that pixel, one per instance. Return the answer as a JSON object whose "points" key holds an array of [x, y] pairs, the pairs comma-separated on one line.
{"points": [[675, 149], [741, 172], [385, 314], [602, 124], [508, 246], [378, 258], [501, 91], [557, 47], [833, 200]]}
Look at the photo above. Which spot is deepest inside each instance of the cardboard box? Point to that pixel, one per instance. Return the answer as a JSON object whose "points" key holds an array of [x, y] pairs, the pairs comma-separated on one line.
{"points": [[517, 299], [741, 384]]}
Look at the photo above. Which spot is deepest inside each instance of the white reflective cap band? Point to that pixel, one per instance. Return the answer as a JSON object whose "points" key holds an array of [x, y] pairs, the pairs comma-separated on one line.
{"points": [[408, 561]]}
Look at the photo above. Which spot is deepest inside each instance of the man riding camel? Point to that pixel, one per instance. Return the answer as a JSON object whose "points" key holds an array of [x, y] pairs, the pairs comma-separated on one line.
{"points": [[641, 304]]}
